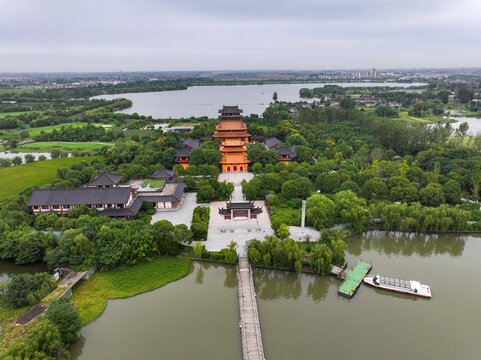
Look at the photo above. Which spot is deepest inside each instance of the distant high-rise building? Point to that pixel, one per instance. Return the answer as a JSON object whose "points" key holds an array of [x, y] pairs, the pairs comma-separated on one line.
{"points": [[373, 72]]}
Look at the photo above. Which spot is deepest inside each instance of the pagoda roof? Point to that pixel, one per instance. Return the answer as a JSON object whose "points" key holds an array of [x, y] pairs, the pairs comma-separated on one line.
{"points": [[234, 159], [287, 151], [233, 142], [230, 110], [231, 125], [105, 179], [182, 152]]}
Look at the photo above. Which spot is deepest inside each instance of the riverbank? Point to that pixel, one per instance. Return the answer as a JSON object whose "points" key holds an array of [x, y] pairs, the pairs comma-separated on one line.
{"points": [[91, 296]]}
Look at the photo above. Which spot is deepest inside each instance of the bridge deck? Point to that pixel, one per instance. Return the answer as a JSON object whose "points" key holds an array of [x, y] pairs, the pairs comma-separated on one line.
{"points": [[249, 318]]}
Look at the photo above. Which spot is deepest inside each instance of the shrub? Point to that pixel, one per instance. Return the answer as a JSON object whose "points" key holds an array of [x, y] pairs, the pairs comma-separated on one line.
{"points": [[65, 316], [28, 289], [200, 223]]}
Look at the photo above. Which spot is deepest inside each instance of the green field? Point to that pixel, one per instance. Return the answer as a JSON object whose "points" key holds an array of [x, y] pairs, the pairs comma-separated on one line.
{"points": [[9, 91], [13, 113], [48, 146], [48, 129], [153, 183], [90, 296], [18, 178]]}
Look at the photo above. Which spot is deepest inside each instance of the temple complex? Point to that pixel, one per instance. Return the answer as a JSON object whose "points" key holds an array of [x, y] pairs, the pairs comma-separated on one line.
{"points": [[234, 136]]}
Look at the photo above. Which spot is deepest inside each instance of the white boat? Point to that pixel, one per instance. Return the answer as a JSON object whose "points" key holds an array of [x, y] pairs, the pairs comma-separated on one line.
{"points": [[411, 287]]}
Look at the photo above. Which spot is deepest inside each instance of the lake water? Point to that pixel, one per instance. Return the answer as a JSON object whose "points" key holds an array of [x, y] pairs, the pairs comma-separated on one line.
{"points": [[207, 100], [11, 155], [474, 124], [9, 269], [302, 317]]}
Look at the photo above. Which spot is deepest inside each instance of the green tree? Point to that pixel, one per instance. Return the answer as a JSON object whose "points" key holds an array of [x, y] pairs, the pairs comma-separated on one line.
{"points": [[320, 258], [282, 231], [65, 316], [432, 195], [319, 211], [198, 249], [452, 192]]}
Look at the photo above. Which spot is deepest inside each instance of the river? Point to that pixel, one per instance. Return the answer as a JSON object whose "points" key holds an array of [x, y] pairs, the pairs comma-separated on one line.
{"points": [[9, 269], [207, 100], [302, 317]]}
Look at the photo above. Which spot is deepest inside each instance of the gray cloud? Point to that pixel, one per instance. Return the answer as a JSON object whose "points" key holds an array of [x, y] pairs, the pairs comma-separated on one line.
{"points": [[110, 35]]}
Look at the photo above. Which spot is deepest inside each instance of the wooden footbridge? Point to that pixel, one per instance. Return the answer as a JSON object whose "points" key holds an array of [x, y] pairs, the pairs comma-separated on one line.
{"points": [[249, 317]]}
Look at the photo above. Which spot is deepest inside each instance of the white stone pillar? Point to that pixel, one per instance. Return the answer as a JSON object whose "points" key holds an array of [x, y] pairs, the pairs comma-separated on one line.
{"points": [[303, 216]]}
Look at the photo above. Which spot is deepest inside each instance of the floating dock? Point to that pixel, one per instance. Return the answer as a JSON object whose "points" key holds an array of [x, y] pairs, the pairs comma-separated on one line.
{"points": [[353, 278]]}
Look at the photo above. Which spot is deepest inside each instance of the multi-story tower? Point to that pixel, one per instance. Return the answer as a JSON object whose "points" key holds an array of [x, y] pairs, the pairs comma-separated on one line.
{"points": [[234, 136]]}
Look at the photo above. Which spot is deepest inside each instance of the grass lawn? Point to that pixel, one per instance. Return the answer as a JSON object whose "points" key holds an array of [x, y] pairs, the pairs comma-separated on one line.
{"points": [[17, 178], [286, 215], [153, 183], [13, 113], [48, 129], [403, 115], [90, 296], [48, 146], [9, 91]]}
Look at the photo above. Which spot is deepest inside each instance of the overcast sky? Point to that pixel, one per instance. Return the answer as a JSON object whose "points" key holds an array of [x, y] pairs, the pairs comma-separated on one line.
{"points": [[160, 35]]}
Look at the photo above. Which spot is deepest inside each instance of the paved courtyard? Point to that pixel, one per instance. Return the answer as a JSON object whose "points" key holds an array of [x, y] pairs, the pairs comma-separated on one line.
{"points": [[309, 232], [221, 232], [183, 215]]}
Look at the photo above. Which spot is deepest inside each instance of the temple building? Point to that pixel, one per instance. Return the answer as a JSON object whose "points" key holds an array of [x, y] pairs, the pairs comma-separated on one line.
{"points": [[233, 133], [240, 210], [287, 154], [116, 202], [105, 180]]}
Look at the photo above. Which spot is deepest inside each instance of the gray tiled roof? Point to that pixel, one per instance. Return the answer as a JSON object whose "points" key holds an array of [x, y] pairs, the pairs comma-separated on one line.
{"points": [[230, 110], [163, 174], [192, 143], [176, 196], [106, 179], [85, 195], [287, 151], [132, 210], [181, 152], [272, 142]]}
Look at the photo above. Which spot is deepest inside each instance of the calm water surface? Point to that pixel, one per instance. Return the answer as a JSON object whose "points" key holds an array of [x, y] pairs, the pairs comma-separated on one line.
{"points": [[207, 100], [474, 124], [302, 317], [9, 269], [193, 318]]}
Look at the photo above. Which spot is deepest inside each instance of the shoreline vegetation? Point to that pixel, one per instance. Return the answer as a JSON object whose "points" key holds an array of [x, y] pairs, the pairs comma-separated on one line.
{"points": [[91, 296]]}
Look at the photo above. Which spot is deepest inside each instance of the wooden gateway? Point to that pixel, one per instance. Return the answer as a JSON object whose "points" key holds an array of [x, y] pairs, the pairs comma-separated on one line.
{"points": [[240, 210], [233, 133]]}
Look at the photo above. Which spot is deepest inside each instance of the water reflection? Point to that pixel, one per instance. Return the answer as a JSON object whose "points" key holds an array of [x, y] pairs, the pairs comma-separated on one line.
{"points": [[272, 285], [9, 268], [199, 278], [318, 288], [230, 277], [406, 244]]}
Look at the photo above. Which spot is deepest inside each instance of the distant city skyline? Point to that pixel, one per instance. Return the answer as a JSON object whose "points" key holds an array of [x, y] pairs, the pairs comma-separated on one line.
{"points": [[224, 35]]}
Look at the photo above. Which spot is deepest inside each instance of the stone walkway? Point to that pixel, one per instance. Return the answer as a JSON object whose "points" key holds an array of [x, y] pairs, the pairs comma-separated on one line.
{"points": [[309, 232], [222, 233]]}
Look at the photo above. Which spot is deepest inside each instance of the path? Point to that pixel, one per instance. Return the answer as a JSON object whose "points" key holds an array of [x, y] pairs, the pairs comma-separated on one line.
{"points": [[68, 282], [252, 347], [222, 233]]}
